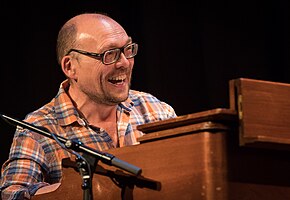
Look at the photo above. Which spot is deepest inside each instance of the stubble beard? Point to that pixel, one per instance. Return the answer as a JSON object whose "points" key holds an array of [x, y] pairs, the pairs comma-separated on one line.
{"points": [[108, 98]]}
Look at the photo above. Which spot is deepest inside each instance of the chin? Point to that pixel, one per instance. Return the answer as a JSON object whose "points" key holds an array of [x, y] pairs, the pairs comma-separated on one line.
{"points": [[123, 98], [118, 99]]}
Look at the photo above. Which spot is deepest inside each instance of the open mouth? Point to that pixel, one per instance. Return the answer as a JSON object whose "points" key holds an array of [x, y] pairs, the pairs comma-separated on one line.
{"points": [[118, 79]]}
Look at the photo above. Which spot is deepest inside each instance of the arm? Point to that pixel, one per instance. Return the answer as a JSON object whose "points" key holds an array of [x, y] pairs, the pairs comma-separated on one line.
{"points": [[22, 173]]}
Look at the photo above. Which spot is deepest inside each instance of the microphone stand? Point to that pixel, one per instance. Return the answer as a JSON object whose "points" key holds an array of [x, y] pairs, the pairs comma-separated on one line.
{"points": [[87, 162]]}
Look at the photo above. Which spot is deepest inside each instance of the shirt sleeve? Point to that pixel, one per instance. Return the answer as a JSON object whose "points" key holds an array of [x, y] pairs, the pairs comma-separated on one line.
{"points": [[22, 173]]}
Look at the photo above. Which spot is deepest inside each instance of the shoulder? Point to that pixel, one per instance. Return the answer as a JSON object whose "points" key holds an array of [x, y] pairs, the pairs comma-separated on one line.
{"points": [[139, 96], [148, 104], [43, 116]]}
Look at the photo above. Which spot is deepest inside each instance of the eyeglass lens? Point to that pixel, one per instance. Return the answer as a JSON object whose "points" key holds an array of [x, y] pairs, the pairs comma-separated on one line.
{"points": [[113, 55]]}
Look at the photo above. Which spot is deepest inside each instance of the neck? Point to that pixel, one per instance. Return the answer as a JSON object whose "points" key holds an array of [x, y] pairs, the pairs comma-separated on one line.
{"points": [[95, 113]]}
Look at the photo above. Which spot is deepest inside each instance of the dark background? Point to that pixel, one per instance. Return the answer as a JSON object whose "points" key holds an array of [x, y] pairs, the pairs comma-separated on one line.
{"points": [[188, 50]]}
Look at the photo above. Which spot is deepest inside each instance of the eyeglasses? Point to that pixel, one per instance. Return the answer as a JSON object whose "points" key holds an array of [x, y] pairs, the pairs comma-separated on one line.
{"points": [[112, 55]]}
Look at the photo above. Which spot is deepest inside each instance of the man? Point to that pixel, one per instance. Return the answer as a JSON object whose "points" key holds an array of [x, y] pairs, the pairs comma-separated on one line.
{"points": [[94, 105]]}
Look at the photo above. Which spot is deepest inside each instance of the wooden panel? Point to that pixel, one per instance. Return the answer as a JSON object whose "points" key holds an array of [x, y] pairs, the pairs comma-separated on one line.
{"points": [[257, 173], [198, 160], [264, 111], [217, 114]]}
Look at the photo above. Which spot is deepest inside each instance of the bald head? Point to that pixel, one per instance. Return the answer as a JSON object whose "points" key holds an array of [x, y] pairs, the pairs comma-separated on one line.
{"points": [[89, 27], [92, 22]]}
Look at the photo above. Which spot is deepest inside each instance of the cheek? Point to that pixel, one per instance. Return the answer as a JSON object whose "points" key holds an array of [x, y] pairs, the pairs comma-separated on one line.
{"points": [[90, 69], [131, 66], [98, 74]]}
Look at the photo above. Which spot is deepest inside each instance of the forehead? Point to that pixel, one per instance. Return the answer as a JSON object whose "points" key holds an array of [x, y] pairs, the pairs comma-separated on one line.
{"points": [[101, 32]]}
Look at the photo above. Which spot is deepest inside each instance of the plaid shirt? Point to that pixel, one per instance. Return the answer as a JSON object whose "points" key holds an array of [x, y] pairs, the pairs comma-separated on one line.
{"points": [[35, 160]]}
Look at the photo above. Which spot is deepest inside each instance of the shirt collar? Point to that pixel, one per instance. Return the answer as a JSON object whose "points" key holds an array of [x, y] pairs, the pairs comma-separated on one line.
{"points": [[65, 111], [127, 105]]}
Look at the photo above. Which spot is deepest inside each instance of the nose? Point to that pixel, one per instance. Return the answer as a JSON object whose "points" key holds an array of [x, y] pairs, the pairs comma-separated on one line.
{"points": [[123, 61]]}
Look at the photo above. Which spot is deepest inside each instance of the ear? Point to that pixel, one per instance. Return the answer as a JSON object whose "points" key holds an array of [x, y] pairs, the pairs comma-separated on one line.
{"points": [[68, 67]]}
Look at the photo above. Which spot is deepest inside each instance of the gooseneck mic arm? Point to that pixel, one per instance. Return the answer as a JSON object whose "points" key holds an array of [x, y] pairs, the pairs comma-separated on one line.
{"points": [[77, 146]]}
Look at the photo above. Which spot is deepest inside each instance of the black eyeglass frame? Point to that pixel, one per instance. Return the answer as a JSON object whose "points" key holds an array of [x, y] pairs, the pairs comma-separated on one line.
{"points": [[100, 56]]}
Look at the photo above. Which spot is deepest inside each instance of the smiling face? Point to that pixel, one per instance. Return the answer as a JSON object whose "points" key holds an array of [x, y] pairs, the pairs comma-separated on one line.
{"points": [[91, 79]]}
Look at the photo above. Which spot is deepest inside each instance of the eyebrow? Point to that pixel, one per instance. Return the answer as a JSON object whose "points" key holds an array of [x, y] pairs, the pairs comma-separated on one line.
{"points": [[112, 46]]}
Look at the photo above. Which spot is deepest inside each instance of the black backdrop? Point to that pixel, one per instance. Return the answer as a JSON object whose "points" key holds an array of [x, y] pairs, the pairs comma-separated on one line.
{"points": [[189, 50]]}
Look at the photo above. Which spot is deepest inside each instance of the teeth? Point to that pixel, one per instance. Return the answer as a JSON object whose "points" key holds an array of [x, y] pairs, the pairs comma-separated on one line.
{"points": [[118, 78]]}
